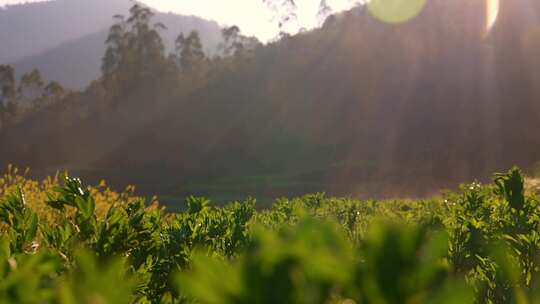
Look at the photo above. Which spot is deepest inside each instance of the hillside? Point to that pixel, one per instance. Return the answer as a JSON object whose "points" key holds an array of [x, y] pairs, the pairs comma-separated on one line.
{"points": [[29, 29], [64, 39], [424, 108], [358, 107]]}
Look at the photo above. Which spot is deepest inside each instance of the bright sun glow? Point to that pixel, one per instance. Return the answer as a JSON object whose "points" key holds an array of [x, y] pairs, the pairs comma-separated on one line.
{"points": [[492, 11], [252, 16]]}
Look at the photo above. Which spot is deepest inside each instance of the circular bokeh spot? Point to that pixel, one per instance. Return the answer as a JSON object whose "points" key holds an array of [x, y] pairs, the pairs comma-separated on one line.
{"points": [[395, 11]]}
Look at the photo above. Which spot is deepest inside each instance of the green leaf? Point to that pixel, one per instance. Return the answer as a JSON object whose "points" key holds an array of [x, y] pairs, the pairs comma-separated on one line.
{"points": [[5, 251], [86, 207], [31, 224]]}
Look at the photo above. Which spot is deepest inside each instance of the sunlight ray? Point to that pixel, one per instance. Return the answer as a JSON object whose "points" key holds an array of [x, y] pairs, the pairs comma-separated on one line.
{"points": [[492, 12]]}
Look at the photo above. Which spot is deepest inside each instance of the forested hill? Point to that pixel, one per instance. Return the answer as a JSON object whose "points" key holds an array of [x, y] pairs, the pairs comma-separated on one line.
{"points": [[64, 39], [358, 107]]}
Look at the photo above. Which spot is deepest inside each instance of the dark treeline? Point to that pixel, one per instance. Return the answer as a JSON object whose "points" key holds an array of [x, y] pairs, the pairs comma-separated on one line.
{"points": [[20, 98], [357, 107]]}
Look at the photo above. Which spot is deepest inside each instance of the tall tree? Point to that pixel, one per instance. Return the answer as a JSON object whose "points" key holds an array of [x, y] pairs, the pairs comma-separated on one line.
{"points": [[284, 11], [53, 92], [31, 87], [116, 46], [324, 11], [231, 41], [236, 44], [190, 51], [7, 84], [7, 92], [144, 40], [135, 51]]}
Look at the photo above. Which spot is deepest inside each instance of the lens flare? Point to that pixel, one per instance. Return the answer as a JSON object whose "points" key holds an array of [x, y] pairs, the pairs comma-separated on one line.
{"points": [[492, 12], [395, 11]]}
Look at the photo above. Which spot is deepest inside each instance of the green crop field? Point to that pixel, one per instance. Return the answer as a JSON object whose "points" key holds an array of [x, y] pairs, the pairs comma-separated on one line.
{"points": [[62, 242]]}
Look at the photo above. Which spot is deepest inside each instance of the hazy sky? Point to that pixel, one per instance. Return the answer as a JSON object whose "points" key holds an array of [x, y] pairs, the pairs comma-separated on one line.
{"points": [[250, 15]]}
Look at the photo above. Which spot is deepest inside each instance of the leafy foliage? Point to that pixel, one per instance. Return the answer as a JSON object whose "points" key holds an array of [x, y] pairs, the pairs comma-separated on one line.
{"points": [[478, 246], [189, 51]]}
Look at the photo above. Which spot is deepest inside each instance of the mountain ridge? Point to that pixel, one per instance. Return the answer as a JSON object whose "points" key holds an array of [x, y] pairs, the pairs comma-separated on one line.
{"points": [[79, 70]]}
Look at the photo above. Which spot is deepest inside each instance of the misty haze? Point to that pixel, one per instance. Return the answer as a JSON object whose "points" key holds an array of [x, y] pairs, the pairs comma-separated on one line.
{"points": [[270, 151]]}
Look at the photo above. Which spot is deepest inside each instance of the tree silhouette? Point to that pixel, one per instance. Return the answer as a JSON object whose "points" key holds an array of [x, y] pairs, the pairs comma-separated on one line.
{"points": [[31, 87], [53, 92], [235, 44], [231, 42], [324, 11], [135, 52], [284, 11], [7, 92], [7, 83], [189, 51]]}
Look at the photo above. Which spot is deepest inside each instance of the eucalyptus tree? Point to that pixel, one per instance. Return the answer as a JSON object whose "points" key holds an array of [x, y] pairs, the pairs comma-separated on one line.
{"points": [[189, 52], [235, 44], [7, 93], [31, 87], [53, 92], [7, 84], [135, 53], [325, 10], [285, 11]]}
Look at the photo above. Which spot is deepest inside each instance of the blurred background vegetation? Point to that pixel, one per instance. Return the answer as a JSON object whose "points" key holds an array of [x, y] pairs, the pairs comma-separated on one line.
{"points": [[356, 107]]}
